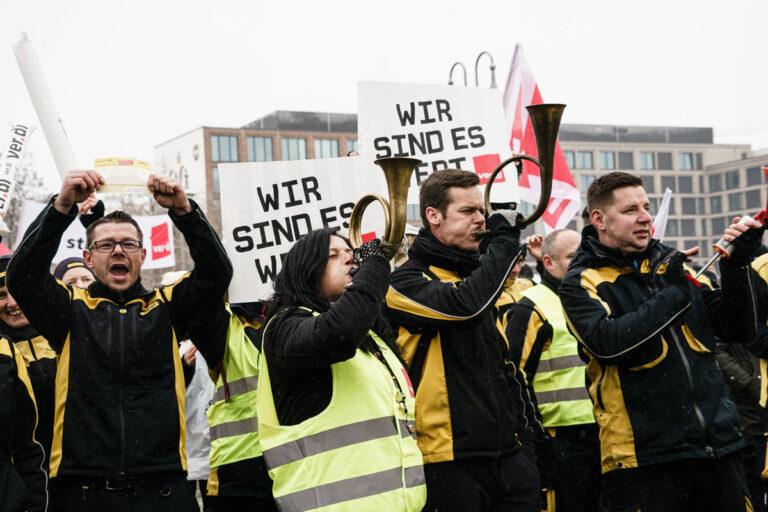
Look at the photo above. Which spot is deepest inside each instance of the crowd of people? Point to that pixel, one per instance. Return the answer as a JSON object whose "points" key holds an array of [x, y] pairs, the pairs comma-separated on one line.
{"points": [[622, 381]]}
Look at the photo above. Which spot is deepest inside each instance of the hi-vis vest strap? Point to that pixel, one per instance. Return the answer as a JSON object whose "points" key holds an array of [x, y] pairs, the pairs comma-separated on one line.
{"points": [[232, 415], [559, 382], [359, 454]]}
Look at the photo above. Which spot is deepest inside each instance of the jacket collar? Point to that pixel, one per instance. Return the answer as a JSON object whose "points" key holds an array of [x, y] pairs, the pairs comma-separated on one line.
{"points": [[17, 334], [592, 253], [429, 250], [98, 289]]}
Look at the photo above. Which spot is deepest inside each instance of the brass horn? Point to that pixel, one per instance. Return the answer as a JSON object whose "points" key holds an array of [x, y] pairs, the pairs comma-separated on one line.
{"points": [[397, 172], [545, 121]]}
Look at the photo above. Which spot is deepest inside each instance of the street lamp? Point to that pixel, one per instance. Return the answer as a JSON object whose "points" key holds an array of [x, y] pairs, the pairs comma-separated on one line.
{"points": [[450, 75], [493, 69]]}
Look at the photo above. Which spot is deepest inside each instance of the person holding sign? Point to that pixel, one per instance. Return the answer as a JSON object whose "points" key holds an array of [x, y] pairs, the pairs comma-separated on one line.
{"points": [[335, 406], [118, 439], [442, 303]]}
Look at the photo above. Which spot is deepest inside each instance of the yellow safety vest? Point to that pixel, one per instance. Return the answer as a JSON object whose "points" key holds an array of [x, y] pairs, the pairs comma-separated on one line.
{"points": [[232, 415], [360, 453], [559, 383]]}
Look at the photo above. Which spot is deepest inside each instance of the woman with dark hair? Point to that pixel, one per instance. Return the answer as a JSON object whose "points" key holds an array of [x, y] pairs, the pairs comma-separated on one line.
{"points": [[335, 406]]}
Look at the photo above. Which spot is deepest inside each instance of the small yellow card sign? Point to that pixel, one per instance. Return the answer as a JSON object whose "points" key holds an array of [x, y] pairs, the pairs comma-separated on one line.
{"points": [[123, 175]]}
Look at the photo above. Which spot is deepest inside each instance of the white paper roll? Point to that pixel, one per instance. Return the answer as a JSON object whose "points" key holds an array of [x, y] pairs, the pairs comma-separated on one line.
{"points": [[50, 120]]}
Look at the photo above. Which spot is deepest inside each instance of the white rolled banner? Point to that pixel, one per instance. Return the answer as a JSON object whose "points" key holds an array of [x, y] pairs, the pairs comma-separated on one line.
{"points": [[9, 166], [47, 114]]}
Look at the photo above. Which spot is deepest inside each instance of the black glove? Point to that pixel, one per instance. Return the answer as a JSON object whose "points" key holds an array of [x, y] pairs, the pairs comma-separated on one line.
{"points": [[502, 221], [744, 247], [676, 273], [373, 248], [95, 214]]}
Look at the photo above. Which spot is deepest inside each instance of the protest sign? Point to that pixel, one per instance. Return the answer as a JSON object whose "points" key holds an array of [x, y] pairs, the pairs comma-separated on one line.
{"points": [[157, 230], [9, 167], [123, 175], [445, 127], [267, 206]]}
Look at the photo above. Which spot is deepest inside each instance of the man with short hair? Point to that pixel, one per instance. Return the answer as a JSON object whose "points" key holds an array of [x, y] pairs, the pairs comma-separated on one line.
{"points": [[569, 459], [669, 434], [119, 422], [441, 302]]}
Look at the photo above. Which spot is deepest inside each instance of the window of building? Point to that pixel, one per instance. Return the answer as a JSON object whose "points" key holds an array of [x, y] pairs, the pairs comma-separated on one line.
{"points": [[647, 161], [689, 205], [654, 204], [718, 226], [224, 148], [701, 184], [607, 160], [672, 207], [215, 179], [735, 201], [412, 213], [294, 149], [668, 182], [732, 180], [570, 159], [754, 176], [673, 228], [688, 227], [715, 204], [685, 185], [664, 161], [715, 182], [649, 184], [700, 206], [326, 148], [626, 160], [685, 161], [584, 160], [351, 146], [586, 180], [753, 199], [259, 149], [699, 161]]}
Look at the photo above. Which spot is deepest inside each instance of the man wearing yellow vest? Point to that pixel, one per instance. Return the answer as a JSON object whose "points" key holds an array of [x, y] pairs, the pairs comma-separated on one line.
{"points": [[335, 406], [238, 479], [569, 464]]}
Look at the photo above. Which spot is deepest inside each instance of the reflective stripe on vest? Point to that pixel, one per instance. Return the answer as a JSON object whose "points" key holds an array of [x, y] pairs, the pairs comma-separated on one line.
{"points": [[232, 421], [559, 383], [358, 454]]}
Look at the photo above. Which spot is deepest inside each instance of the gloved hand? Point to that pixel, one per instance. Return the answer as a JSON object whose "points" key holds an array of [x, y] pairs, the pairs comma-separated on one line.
{"points": [[373, 248], [676, 273], [744, 246], [502, 221]]}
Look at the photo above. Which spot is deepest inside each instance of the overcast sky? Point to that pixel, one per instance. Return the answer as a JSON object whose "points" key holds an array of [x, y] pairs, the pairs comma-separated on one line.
{"points": [[128, 75]]}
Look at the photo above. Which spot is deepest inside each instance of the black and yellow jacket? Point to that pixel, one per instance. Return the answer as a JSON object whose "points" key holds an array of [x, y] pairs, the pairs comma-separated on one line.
{"points": [[441, 303], [119, 384], [652, 375], [23, 480], [40, 360], [758, 345]]}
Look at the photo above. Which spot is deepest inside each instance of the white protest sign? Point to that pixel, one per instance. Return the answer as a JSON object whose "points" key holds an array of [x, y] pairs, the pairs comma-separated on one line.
{"points": [[267, 206], [9, 167], [445, 127], [157, 230]]}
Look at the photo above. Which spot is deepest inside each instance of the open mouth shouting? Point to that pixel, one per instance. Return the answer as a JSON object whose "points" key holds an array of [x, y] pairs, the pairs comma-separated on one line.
{"points": [[119, 272]]}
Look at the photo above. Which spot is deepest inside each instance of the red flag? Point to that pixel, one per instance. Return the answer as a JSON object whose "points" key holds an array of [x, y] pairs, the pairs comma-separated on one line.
{"points": [[521, 91]]}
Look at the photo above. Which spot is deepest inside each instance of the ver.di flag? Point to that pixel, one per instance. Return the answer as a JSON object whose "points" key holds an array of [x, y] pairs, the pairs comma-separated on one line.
{"points": [[521, 90]]}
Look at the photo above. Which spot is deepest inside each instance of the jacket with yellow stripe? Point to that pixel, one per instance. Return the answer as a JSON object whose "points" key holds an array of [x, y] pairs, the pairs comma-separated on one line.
{"points": [[40, 360], [652, 376], [758, 344], [23, 479], [119, 384], [444, 318]]}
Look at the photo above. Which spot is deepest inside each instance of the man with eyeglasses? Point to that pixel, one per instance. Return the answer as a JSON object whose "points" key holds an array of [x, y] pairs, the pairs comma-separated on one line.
{"points": [[119, 422]]}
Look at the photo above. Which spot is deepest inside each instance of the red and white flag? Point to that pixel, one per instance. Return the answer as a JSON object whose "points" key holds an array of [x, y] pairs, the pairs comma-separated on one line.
{"points": [[521, 91]]}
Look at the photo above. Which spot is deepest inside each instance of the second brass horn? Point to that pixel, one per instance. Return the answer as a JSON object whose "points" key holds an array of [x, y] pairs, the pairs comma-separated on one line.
{"points": [[545, 121], [397, 172]]}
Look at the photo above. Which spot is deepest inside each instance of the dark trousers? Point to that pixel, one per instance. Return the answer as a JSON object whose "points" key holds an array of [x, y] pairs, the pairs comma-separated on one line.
{"points": [[700, 485], [482, 484], [203, 486], [571, 469], [754, 462], [242, 504], [172, 495]]}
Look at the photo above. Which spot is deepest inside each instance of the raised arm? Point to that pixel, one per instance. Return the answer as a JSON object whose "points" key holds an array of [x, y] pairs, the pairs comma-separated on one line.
{"points": [[44, 300], [415, 298]]}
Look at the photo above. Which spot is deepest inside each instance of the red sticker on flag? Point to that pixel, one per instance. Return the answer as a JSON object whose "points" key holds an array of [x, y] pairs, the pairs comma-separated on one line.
{"points": [[367, 237], [160, 239], [485, 165], [408, 381]]}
